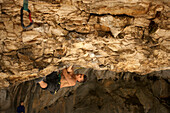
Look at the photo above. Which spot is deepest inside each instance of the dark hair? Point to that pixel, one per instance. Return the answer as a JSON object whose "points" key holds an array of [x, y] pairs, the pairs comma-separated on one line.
{"points": [[85, 78], [21, 101]]}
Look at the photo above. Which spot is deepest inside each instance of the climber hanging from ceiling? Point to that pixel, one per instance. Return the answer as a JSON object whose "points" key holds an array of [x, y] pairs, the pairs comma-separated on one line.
{"points": [[64, 78], [25, 7]]}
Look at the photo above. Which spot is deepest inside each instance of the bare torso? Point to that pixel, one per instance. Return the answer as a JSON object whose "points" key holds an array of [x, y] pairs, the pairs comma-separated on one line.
{"points": [[64, 82]]}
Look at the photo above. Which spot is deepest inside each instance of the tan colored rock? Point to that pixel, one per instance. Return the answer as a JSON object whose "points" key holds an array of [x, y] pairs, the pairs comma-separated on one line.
{"points": [[43, 8], [48, 51], [134, 31], [117, 8], [70, 27], [93, 20], [104, 28], [2, 26], [47, 70], [115, 47], [86, 46], [83, 29], [4, 83], [9, 26], [18, 29], [163, 33], [112, 35], [1, 1], [24, 58], [37, 51], [166, 44], [4, 75], [3, 34], [59, 32], [11, 45], [115, 31], [65, 10], [143, 22], [29, 36], [115, 23]]}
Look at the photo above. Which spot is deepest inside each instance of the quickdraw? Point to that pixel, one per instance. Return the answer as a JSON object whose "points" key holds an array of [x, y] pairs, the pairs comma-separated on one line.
{"points": [[25, 7]]}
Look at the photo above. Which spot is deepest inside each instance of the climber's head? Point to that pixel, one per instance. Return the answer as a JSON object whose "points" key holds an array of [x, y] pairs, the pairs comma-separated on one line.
{"points": [[22, 103], [81, 78]]}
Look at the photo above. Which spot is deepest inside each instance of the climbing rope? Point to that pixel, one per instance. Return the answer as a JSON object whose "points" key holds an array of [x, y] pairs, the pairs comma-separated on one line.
{"points": [[25, 7]]}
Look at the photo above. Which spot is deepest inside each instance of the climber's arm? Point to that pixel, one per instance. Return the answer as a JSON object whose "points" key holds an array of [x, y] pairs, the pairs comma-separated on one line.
{"points": [[69, 78], [70, 70]]}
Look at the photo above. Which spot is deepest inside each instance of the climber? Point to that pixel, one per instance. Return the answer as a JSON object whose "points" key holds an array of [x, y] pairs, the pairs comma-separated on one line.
{"points": [[56, 80], [21, 108]]}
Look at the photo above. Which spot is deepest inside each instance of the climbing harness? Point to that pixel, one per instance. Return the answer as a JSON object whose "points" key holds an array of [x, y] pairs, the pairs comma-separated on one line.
{"points": [[25, 7]]}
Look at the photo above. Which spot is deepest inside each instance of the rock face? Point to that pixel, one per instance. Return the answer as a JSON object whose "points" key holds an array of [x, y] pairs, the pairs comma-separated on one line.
{"points": [[128, 38], [117, 35], [104, 92]]}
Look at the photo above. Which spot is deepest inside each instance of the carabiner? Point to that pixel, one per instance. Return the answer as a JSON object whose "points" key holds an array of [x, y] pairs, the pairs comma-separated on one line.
{"points": [[31, 21]]}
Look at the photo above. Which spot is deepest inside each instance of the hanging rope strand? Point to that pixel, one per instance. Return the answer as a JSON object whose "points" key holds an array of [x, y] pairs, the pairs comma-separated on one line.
{"points": [[25, 7]]}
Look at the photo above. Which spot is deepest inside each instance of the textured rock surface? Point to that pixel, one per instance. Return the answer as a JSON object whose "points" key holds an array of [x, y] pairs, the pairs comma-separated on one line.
{"points": [[118, 35], [104, 92]]}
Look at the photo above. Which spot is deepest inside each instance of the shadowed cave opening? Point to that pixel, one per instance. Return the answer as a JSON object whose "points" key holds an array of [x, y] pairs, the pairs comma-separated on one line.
{"points": [[104, 91]]}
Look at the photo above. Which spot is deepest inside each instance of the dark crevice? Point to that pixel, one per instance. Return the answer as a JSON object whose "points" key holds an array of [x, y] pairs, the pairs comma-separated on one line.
{"points": [[118, 15], [95, 14], [40, 65], [153, 27], [136, 78], [158, 14], [121, 35], [48, 1], [104, 33]]}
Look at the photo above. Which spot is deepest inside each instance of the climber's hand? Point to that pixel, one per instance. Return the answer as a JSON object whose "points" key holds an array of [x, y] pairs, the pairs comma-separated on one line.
{"points": [[70, 69]]}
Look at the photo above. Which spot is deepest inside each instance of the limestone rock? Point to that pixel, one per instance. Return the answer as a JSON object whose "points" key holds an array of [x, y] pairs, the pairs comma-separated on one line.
{"points": [[9, 26], [11, 45], [42, 8], [115, 23], [3, 35], [119, 35], [29, 36], [141, 22], [1, 1], [115, 31], [65, 10], [88, 46], [111, 7], [59, 32]]}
